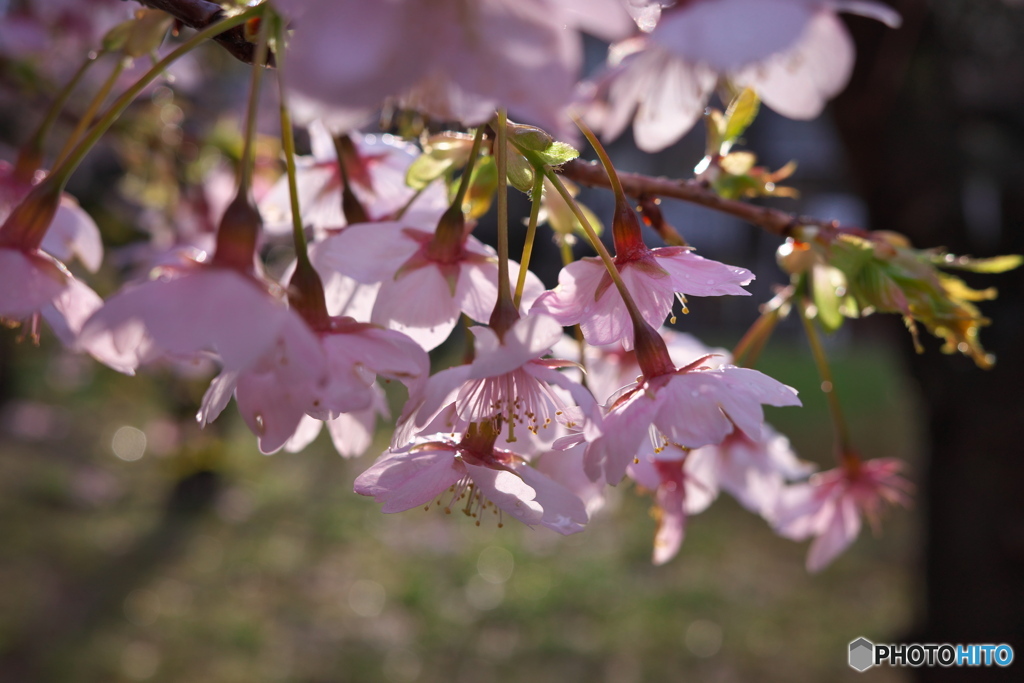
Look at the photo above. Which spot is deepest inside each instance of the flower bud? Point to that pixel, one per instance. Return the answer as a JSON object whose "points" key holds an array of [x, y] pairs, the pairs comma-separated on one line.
{"points": [[795, 257]]}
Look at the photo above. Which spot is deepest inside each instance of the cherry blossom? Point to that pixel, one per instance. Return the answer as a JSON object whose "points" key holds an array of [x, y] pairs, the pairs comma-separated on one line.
{"points": [[654, 277], [830, 505], [376, 170], [508, 386], [275, 394], [755, 471], [197, 309], [796, 54], [423, 289], [458, 60], [478, 476], [689, 408], [683, 484]]}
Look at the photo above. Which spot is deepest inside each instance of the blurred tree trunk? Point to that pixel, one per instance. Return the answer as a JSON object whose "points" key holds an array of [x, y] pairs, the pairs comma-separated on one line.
{"points": [[934, 128]]}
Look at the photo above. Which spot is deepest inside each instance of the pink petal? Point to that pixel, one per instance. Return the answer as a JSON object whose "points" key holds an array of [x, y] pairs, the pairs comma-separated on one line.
{"points": [[564, 512], [528, 339], [207, 309], [368, 252], [798, 82], [568, 302], [507, 491], [352, 433], [308, 429], [29, 282], [727, 34], [420, 304], [841, 531], [73, 234], [671, 523], [403, 481], [216, 398], [477, 289], [694, 275], [271, 410], [623, 430]]}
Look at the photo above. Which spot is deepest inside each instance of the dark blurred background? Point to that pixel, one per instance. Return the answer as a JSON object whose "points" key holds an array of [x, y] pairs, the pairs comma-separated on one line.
{"points": [[137, 548]]}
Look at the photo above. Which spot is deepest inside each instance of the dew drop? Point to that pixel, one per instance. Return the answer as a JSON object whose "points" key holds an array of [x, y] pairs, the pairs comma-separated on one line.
{"points": [[261, 426]]}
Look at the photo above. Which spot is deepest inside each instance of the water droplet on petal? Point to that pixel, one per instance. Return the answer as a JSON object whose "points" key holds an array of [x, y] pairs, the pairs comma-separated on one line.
{"points": [[261, 427]]}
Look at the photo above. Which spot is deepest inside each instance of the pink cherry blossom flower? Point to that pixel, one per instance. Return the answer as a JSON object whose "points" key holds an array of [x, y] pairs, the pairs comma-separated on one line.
{"points": [[610, 368], [683, 484], [688, 408], [421, 294], [755, 472], [34, 285], [376, 175], [198, 309], [467, 58], [830, 505], [585, 294], [507, 386], [729, 34], [276, 394], [479, 478], [796, 54]]}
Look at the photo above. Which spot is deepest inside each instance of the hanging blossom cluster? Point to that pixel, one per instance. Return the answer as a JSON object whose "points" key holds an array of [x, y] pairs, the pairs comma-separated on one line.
{"points": [[534, 424]]}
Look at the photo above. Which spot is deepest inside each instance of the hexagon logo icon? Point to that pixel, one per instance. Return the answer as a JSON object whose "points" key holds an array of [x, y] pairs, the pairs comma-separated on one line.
{"points": [[862, 654]]}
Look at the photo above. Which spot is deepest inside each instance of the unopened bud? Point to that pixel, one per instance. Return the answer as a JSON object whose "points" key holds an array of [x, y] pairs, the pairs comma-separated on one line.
{"points": [[147, 32], [529, 137], [795, 257]]}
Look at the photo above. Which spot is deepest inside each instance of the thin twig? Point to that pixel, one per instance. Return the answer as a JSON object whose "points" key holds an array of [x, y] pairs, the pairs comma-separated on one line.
{"points": [[638, 185]]}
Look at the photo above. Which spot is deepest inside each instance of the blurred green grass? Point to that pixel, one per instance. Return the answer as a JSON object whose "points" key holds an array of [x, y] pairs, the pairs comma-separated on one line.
{"points": [[292, 577]]}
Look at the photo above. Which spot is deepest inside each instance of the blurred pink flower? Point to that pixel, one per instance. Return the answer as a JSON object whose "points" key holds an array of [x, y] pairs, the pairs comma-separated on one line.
{"points": [[830, 505], [455, 59], [376, 175], [586, 296], [796, 54], [689, 408], [683, 484]]}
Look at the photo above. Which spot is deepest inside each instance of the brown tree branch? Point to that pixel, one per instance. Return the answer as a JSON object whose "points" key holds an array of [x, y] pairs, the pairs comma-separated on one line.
{"points": [[638, 186], [199, 14]]}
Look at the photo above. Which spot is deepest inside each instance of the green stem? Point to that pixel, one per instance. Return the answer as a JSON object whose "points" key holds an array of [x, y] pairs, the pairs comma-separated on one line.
{"points": [[506, 311], [595, 241], [306, 289], [62, 172], [531, 234], [467, 173], [288, 143], [827, 384], [450, 235], [30, 156], [501, 162], [405, 207], [94, 106], [253, 105]]}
